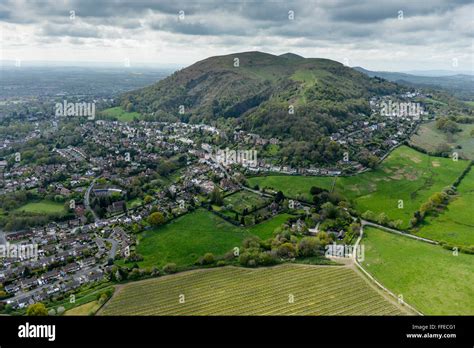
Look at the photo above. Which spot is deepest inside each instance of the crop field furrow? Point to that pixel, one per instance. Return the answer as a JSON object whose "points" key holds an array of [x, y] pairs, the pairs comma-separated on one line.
{"points": [[282, 290]]}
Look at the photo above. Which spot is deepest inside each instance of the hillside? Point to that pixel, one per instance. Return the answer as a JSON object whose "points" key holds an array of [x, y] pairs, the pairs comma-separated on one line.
{"points": [[257, 94]]}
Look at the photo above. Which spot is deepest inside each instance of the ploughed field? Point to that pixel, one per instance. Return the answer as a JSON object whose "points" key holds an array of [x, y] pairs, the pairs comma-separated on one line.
{"points": [[406, 175], [282, 290]]}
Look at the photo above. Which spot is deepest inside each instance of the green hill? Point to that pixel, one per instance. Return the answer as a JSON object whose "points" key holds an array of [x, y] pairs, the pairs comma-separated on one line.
{"points": [[256, 89]]}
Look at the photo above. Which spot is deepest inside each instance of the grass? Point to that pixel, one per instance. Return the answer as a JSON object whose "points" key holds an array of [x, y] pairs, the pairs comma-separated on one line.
{"points": [[184, 240], [85, 309], [315, 290], [415, 176], [42, 207], [265, 229], [120, 114], [245, 199], [430, 278], [455, 224], [292, 185], [429, 138], [134, 203]]}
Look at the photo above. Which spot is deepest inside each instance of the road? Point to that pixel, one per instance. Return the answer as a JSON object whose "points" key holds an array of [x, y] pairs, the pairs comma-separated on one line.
{"points": [[392, 230], [113, 249], [87, 200]]}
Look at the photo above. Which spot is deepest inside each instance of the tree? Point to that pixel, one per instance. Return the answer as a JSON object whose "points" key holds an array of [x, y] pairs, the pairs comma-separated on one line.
{"points": [[383, 219], [36, 309], [148, 199], [309, 246], [369, 215], [286, 250], [216, 197], [329, 211], [315, 190], [279, 197], [156, 219]]}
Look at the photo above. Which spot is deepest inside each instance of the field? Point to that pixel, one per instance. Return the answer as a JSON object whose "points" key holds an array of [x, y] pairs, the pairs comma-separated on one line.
{"points": [[430, 278], [244, 199], [454, 225], [429, 138], [265, 229], [42, 207], [315, 290], [189, 237], [120, 114], [292, 185], [405, 174], [85, 309]]}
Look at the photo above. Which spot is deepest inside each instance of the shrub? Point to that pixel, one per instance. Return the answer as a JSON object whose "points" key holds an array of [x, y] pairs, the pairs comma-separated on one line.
{"points": [[309, 246], [286, 250], [37, 309], [170, 268]]}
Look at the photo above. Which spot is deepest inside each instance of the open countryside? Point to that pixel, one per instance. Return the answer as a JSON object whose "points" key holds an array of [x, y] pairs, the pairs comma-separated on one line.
{"points": [[432, 279], [415, 175]]}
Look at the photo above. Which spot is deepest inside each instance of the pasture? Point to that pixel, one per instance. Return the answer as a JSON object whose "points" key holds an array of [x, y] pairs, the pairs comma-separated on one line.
{"points": [[432, 279], [429, 138], [455, 224], [120, 114], [42, 207], [184, 240], [406, 175]]}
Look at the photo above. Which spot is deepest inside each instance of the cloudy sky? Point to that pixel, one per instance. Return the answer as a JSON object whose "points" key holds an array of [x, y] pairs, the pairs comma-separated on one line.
{"points": [[376, 34]]}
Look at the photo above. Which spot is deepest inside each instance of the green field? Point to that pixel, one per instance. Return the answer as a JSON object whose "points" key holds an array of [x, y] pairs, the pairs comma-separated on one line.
{"points": [[429, 138], [245, 199], [292, 185], [120, 114], [405, 174], [314, 290], [265, 229], [136, 202], [430, 278], [189, 237], [42, 207], [455, 224]]}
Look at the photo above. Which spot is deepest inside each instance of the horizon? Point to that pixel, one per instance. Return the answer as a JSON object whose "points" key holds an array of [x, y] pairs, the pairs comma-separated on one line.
{"points": [[114, 65]]}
